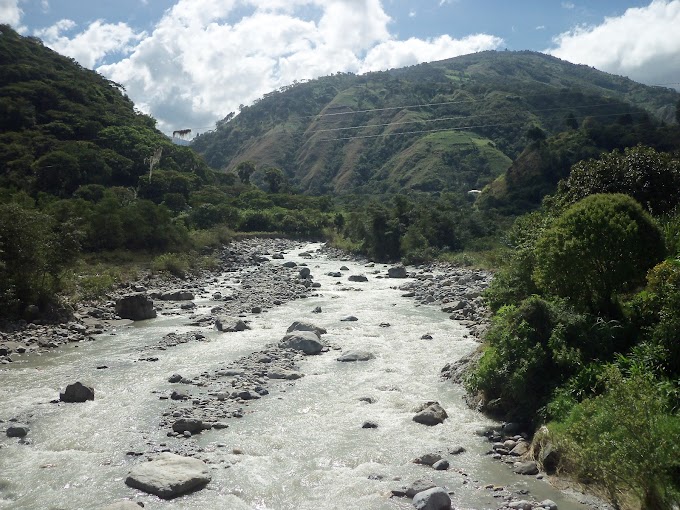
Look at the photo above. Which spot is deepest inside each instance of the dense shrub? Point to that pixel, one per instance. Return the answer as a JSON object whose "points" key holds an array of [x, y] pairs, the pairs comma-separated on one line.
{"points": [[598, 247], [626, 439]]}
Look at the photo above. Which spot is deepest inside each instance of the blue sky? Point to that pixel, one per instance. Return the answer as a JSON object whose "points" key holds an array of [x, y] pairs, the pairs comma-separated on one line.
{"points": [[190, 62]]}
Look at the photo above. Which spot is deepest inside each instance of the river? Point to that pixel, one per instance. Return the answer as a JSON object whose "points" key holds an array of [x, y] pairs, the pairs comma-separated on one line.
{"points": [[300, 447]]}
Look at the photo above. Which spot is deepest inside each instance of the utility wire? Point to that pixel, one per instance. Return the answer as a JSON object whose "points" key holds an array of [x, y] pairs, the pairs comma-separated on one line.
{"points": [[442, 119], [459, 128]]}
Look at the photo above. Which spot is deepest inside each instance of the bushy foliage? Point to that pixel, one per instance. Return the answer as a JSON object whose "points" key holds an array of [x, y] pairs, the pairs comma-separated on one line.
{"points": [[650, 177], [598, 247], [626, 439]]}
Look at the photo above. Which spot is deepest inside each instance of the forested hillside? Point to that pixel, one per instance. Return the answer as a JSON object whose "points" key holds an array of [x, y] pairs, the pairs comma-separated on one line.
{"points": [[453, 125]]}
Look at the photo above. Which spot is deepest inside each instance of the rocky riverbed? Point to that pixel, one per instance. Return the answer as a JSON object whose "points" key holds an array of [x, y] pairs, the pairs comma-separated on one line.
{"points": [[367, 364]]}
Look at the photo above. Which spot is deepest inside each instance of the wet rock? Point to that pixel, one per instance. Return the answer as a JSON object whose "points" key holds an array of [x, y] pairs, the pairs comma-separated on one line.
{"points": [[282, 373], [137, 307], [426, 336], [305, 272], [334, 274], [349, 318], [305, 341], [428, 459], [77, 392], [187, 425], [17, 430], [548, 504], [177, 295], [432, 499], [368, 400], [441, 465], [431, 413], [179, 395], [369, 425], [227, 325], [174, 378], [317, 309], [397, 272], [289, 263], [169, 476], [520, 449], [356, 356], [344, 268], [357, 278], [520, 505], [525, 468], [456, 450], [413, 489], [306, 326]]}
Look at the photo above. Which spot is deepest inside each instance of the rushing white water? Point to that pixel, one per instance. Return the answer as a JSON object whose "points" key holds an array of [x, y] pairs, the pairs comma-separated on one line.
{"points": [[301, 447]]}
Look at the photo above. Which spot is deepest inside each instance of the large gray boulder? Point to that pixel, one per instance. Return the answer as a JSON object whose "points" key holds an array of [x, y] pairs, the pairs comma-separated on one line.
{"points": [[192, 425], [396, 272], [432, 499], [169, 476], [137, 307], [430, 414], [177, 295], [77, 392], [357, 278], [356, 356], [284, 374], [306, 326], [17, 430], [305, 341], [227, 325], [413, 489], [525, 468]]}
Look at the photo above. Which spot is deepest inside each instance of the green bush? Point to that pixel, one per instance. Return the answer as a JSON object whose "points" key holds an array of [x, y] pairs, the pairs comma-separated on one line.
{"points": [[533, 348], [598, 247], [173, 263], [625, 439]]}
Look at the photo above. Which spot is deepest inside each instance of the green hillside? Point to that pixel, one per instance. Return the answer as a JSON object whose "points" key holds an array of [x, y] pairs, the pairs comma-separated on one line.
{"points": [[63, 126], [451, 125]]}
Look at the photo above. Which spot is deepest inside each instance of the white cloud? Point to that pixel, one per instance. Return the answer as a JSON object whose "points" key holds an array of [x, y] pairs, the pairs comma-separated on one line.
{"points": [[392, 54], [200, 62], [568, 5], [540, 27], [643, 43], [91, 45], [412, 13], [10, 12]]}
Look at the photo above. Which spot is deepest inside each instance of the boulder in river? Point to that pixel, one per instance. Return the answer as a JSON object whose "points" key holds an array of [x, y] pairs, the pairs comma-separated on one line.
{"points": [[283, 373], [305, 272], [525, 468], [357, 278], [306, 326], [289, 263], [169, 476], [413, 489], [192, 425], [77, 392], [432, 499], [396, 272], [349, 318], [305, 341], [356, 356], [227, 325], [177, 295], [17, 430], [137, 307], [430, 413]]}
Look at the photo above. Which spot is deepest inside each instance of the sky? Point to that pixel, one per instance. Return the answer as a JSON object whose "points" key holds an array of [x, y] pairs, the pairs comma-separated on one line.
{"points": [[188, 63]]}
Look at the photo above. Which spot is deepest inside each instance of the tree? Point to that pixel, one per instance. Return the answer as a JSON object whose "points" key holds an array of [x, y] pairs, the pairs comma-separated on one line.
{"points": [[571, 121], [244, 170], [275, 178], [600, 246], [536, 134]]}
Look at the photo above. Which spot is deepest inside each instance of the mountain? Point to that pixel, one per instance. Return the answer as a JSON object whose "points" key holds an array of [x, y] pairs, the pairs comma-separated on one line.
{"points": [[452, 125], [63, 127]]}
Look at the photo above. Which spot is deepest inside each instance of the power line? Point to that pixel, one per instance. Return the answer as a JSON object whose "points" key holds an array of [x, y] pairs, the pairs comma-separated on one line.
{"points": [[442, 119], [459, 128]]}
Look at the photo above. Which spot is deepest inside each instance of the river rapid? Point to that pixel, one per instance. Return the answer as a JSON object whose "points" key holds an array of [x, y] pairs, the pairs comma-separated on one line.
{"points": [[300, 447]]}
